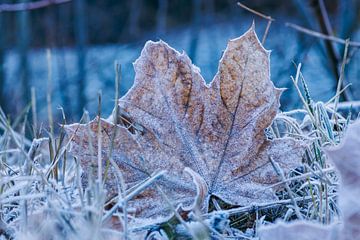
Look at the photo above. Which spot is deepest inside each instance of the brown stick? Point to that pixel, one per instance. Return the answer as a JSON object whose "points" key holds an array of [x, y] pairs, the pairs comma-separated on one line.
{"points": [[263, 206], [30, 5], [321, 35], [266, 32], [268, 18]]}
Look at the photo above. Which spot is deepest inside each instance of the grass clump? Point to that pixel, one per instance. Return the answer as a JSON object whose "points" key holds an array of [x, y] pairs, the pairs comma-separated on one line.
{"points": [[42, 196]]}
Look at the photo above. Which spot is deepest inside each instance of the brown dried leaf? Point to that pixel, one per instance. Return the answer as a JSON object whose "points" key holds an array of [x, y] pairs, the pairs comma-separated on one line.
{"points": [[217, 130], [346, 158]]}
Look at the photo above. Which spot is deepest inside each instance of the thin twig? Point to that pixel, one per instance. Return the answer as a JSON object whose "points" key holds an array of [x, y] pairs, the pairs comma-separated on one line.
{"points": [[99, 138], [172, 208], [269, 18], [321, 35], [131, 194], [15, 7], [122, 184], [337, 94], [266, 32], [22, 197], [280, 173], [341, 79], [48, 92], [310, 114], [300, 177], [264, 206], [34, 111]]}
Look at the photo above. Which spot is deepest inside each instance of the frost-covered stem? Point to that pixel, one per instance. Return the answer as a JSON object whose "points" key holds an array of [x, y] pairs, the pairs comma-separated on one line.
{"points": [[6, 179], [132, 192], [302, 176], [22, 198], [34, 111], [78, 183], [32, 153], [338, 94], [280, 172], [139, 188], [122, 187], [295, 81], [59, 155], [251, 208], [114, 115], [341, 79], [90, 169], [4, 125], [99, 142], [266, 32], [177, 215], [49, 91], [144, 185], [327, 214]]}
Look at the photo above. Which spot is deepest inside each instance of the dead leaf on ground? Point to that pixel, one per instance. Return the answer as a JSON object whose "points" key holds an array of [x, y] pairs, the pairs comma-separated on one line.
{"points": [[216, 129]]}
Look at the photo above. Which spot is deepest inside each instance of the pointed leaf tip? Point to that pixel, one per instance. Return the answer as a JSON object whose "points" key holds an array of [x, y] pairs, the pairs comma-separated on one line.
{"points": [[217, 131]]}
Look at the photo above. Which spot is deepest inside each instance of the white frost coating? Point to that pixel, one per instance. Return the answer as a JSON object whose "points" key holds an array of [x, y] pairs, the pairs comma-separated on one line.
{"points": [[346, 158], [216, 130]]}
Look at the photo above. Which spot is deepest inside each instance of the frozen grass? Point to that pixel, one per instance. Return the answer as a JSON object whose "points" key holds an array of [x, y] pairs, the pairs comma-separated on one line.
{"points": [[42, 196]]}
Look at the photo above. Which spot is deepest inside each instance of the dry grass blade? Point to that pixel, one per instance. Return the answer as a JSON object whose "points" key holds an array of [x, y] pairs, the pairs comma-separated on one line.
{"points": [[346, 159], [179, 158], [280, 172], [341, 79]]}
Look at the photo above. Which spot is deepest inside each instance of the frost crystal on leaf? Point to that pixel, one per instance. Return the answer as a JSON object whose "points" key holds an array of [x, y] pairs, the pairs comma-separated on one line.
{"points": [[346, 158], [180, 122]]}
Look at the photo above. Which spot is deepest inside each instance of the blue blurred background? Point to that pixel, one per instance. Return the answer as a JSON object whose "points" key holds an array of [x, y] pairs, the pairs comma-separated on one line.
{"points": [[85, 38]]}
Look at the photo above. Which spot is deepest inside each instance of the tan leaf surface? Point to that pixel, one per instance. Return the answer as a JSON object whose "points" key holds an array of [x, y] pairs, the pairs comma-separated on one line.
{"points": [[346, 158], [217, 130]]}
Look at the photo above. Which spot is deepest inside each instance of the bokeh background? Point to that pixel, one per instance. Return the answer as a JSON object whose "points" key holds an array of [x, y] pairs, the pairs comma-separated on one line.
{"points": [[67, 49]]}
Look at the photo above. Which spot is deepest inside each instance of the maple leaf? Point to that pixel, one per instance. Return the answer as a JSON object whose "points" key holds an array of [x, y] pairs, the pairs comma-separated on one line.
{"points": [[215, 131], [346, 158]]}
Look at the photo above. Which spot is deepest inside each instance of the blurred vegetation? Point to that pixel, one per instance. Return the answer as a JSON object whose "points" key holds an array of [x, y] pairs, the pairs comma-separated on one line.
{"points": [[83, 24], [121, 21]]}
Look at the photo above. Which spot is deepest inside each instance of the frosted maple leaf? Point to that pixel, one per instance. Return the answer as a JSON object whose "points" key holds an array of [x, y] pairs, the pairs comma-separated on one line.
{"points": [[215, 131], [346, 158]]}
